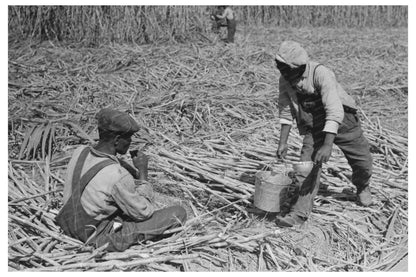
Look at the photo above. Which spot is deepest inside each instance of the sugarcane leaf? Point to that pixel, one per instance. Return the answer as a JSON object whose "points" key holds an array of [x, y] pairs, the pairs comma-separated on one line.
{"points": [[35, 139], [80, 131], [46, 134], [25, 142], [51, 140]]}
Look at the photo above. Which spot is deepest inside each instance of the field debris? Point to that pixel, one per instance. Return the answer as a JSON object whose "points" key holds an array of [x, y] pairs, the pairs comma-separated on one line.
{"points": [[209, 122]]}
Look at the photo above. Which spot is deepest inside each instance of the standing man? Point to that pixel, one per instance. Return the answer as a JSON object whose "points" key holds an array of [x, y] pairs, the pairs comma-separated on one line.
{"points": [[106, 200], [228, 14], [325, 114]]}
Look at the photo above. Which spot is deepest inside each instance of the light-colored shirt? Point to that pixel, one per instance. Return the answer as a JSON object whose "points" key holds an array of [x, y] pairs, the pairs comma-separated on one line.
{"points": [[333, 96], [228, 13], [111, 189]]}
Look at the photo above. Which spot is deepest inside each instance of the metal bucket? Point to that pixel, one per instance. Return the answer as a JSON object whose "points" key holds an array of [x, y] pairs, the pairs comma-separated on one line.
{"points": [[272, 190]]}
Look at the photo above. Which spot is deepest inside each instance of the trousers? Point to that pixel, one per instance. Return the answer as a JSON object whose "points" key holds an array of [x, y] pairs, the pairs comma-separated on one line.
{"points": [[132, 232], [231, 28], [355, 147]]}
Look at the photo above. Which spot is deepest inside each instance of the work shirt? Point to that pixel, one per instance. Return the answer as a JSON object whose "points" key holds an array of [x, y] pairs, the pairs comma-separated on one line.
{"points": [[321, 83], [111, 189], [228, 14]]}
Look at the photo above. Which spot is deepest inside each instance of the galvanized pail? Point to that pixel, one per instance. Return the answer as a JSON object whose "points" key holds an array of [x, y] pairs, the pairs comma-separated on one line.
{"points": [[271, 191]]}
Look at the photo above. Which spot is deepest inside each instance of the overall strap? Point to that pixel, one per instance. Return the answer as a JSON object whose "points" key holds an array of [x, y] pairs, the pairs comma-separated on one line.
{"points": [[86, 178], [313, 78], [299, 95], [311, 102], [72, 218], [78, 168]]}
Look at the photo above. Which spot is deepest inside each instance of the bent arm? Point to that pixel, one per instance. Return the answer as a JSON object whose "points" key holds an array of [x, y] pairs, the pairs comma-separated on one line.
{"points": [[133, 203], [284, 103], [327, 84], [132, 170]]}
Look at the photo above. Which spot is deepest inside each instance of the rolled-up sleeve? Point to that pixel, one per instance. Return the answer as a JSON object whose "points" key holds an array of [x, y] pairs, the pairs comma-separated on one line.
{"points": [[145, 189], [131, 201], [326, 82], [285, 114]]}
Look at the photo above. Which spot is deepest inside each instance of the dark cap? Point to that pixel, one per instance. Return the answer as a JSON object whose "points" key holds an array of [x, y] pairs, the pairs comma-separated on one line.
{"points": [[116, 121]]}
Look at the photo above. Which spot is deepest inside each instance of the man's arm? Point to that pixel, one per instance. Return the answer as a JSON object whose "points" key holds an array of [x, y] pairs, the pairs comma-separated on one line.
{"points": [[133, 171], [327, 84], [286, 118], [131, 201], [324, 152], [141, 162], [284, 103], [140, 169]]}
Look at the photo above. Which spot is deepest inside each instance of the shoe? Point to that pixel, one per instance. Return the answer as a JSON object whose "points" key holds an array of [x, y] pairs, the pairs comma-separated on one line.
{"points": [[364, 197], [289, 220]]}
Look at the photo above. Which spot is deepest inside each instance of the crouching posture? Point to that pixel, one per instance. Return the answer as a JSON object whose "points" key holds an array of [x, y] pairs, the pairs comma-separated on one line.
{"points": [[106, 200], [325, 114]]}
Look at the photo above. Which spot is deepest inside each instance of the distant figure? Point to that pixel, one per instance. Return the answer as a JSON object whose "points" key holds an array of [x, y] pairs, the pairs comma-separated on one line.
{"points": [[325, 114], [106, 200], [217, 22], [228, 14]]}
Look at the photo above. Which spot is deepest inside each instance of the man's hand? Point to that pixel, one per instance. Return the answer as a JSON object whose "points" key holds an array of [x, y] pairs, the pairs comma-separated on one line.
{"points": [[281, 151], [323, 154], [284, 135], [141, 162]]}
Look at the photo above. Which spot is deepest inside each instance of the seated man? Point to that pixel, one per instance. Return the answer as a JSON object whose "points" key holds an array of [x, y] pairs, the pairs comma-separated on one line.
{"points": [[103, 203]]}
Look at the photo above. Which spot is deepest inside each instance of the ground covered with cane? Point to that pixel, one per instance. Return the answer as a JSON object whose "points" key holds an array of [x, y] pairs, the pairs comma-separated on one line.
{"points": [[209, 121]]}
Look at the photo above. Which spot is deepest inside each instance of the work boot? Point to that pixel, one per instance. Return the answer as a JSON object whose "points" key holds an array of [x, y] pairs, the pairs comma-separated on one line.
{"points": [[289, 220], [364, 197]]}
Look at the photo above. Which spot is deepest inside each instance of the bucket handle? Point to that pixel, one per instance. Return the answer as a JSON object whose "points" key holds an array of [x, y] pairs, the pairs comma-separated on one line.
{"points": [[285, 162]]}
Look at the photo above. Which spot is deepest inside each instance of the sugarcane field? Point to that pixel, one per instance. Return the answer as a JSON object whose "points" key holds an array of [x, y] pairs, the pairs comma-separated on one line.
{"points": [[208, 138]]}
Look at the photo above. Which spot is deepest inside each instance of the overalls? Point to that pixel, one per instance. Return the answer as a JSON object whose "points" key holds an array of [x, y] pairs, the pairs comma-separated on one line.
{"points": [[76, 223], [350, 140], [72, 218]]}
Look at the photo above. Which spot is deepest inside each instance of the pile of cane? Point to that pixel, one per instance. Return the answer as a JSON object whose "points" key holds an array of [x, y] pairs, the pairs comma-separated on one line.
{"points": [[209, 122]]}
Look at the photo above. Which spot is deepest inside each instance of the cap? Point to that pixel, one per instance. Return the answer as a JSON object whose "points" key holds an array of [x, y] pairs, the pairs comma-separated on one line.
{"points": [[116, 121], [292, 54]]}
